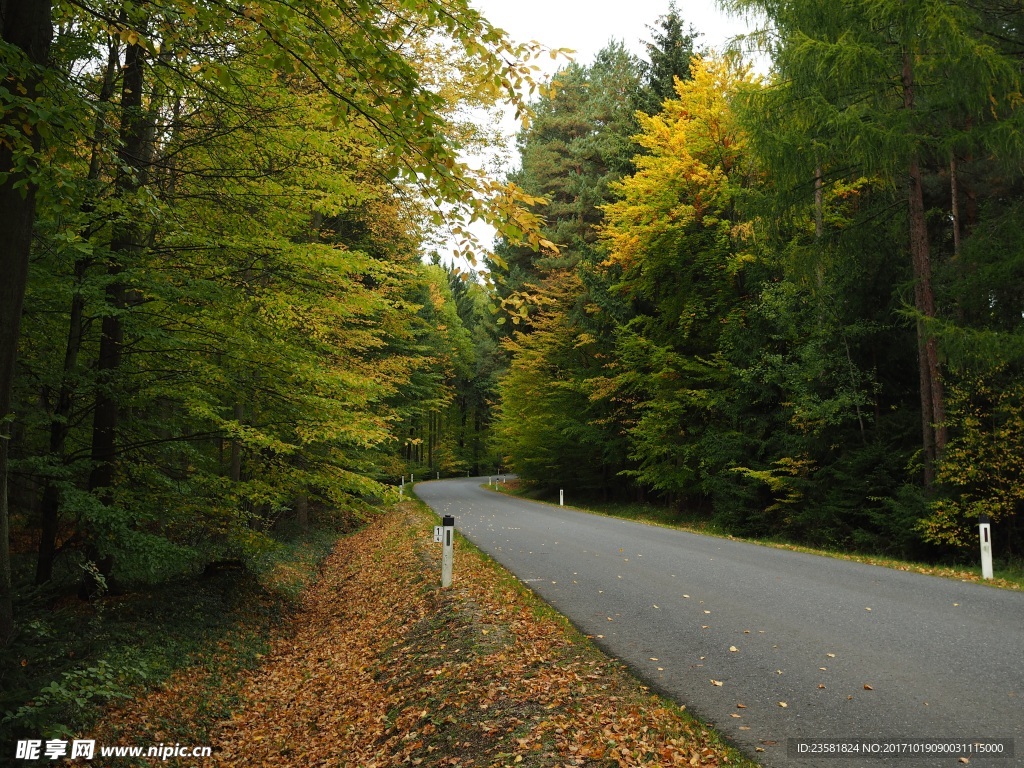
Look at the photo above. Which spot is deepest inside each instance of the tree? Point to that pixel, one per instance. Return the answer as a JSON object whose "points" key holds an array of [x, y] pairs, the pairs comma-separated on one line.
{"points": [[670, 242], [669, 53], [356, 54], [25, 35], [868, 89]]}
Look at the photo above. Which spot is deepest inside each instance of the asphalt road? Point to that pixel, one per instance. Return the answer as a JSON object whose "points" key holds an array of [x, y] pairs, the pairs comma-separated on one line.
{"points": [[853, 651]]}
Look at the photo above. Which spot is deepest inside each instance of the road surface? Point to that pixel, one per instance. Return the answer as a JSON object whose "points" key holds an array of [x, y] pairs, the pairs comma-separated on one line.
{"points": [[796, 645]]}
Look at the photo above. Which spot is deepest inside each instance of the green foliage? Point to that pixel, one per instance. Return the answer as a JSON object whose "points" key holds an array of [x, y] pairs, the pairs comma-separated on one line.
{"points": [[62, 700], [669, 54], [983, 468]]}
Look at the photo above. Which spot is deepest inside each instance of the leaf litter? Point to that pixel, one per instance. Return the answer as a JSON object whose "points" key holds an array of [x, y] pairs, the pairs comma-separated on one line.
{"points": [[379, 667]]}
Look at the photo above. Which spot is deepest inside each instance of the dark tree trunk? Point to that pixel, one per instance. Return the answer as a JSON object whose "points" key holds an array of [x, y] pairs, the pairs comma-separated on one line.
{"points": [[58, 436], [62, 409], [933, 410], [125, 245], [26, 25]]}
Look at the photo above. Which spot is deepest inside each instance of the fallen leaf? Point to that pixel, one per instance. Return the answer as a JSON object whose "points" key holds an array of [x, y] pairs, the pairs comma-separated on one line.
{"points": [[830, 655], [868, 687], [654, 658], [867, 609], [733, 649], [686, 596], [716, 682], [707, 611], [740, 706], [783, 704], [964, 760], [733, 714], [821, 686]]}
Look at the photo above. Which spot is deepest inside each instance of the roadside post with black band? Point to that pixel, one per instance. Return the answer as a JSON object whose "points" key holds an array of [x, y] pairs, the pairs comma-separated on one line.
{"points": [[985, 535], [445, 534]]}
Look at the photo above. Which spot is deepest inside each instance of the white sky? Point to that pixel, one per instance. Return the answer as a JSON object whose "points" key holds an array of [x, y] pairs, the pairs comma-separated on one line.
{"points": [[587, 25]]}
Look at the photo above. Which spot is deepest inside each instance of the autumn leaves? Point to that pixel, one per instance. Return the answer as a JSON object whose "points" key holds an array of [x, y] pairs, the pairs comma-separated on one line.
{"points": [[381, 669]]}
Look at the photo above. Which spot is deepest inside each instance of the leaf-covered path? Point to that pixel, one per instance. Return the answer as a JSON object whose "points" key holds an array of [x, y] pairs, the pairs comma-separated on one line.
{"points": [[381, 668]]}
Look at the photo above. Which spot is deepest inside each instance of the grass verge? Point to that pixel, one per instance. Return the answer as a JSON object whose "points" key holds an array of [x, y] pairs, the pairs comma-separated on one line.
{"points": [[1006, 575]]}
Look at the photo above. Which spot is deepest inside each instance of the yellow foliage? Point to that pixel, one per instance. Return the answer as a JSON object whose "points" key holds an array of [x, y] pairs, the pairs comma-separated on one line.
{"points": [[693, 166], [983, 465]]}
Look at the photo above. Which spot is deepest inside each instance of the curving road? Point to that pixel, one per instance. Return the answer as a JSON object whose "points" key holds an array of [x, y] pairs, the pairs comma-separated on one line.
{"points": [[853, 651]]}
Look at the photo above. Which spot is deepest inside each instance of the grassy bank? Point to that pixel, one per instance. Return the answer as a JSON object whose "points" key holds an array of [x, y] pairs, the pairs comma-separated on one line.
{"points": [[1008, 575]]}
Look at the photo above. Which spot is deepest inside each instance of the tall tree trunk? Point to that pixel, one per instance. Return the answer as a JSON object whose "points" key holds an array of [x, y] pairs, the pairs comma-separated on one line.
{"points": [[62, 410], [933, 410], [59, 426], [954, 205], [125, 245], [26, 25], [819, 203]]}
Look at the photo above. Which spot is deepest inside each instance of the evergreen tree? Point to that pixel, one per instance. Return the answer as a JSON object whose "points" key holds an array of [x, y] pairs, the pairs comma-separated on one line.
{"points": [[669, 53]]}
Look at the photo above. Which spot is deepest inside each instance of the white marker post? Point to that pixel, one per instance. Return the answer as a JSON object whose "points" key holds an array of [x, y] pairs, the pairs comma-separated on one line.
{"points": [[561, 498], [985, 535], [448, 551]]}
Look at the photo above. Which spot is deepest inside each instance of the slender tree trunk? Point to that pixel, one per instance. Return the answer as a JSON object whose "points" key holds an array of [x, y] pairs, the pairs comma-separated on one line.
{"points": [[125, 246], [954, 194], [58, 435], [26, 25], [819, 203], [933, 411], [302, 511], [62, 410]]}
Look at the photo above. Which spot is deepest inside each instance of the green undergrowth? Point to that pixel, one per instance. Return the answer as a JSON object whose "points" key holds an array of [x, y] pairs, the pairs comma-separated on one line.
{"points": [[70, 659], [1007, 574]]}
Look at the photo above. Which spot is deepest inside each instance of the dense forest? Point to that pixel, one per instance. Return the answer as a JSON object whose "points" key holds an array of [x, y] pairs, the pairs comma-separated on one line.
{"points": [[214, 223], [790, 304]]}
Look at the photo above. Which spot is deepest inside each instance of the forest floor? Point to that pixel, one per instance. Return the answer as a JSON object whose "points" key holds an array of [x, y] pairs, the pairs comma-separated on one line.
{"points": [[378, 666]]}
